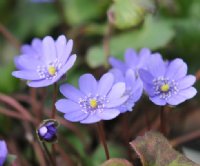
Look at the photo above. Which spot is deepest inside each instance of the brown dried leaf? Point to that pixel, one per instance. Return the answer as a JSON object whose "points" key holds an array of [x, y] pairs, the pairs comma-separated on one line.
{"points": [[117, 162], [154, 150]]}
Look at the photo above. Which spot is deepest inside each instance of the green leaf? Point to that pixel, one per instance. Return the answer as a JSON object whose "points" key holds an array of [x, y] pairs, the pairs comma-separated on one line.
{"points": [[117, 162], [154, 150], [154, 34], [79, 11], [128, 13]]}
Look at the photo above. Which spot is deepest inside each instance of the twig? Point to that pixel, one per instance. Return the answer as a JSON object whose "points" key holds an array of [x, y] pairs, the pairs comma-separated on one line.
{"points": [[13, 103], [197, 75], [106, 44], [9, 36], [185, 138], [13, 114]]}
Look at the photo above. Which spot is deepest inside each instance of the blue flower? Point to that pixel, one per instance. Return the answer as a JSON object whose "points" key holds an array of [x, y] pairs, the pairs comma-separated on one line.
{"points": [[132, 60], [45, 61], [134, 88], [167, 82], [48, 131], [95, 101], [3, 152]]}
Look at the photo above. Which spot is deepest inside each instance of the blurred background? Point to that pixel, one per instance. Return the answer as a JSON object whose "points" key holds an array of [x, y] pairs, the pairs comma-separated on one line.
{"points": [[99, 28]]}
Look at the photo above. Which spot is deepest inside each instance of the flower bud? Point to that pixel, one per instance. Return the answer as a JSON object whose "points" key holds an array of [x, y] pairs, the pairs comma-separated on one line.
{"points": [[47, 131]]}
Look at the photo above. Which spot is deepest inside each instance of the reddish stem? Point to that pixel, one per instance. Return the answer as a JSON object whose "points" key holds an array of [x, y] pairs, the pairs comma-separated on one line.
{"points": [[53, 113], [102, 139], [162, 121]]}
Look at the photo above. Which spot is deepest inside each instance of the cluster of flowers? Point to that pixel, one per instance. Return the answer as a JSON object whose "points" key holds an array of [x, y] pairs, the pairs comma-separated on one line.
{"points": [[45, 61]]}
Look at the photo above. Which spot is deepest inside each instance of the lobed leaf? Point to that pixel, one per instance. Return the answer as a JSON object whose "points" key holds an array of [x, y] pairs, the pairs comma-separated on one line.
{"points": [[154, 150], [117, 162]]}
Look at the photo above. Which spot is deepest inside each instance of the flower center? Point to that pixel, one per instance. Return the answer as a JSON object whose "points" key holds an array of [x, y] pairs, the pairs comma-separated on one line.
{"points": [[93, 103], [52, 70], [49, 71], [165, 87]]}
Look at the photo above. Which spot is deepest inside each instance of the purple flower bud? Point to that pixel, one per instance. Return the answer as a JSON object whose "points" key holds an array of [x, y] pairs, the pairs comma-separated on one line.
{"points": [[3, 152], [48, 131]]}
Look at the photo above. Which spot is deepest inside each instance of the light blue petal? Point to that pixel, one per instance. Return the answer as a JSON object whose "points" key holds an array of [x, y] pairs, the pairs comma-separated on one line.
{"points": [[66, 106], [71, 92], [176, 69], [108, 114], [115, 63], [88, 84], [146, 76], [156, 65], [105, 84], [186, 82], [116, 102], [49, 50], [158, 101], [92, 118], [26, 75], [76, 116]]}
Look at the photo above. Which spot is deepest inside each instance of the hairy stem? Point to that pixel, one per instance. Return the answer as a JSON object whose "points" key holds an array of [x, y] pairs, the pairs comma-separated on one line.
{"points": [[162, 121], [9, 36], [101, 134], [48, 155], [53, 115]]}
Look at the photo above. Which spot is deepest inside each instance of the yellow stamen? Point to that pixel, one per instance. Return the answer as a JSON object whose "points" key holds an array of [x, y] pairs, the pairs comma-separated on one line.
{"points": [[164, 87], [52, 70], [93, 103]]}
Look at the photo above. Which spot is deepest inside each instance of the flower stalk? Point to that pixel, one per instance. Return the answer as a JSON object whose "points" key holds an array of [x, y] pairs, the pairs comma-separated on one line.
{"points": [[101, 134], [55, 91], [53, 115], [48, 155], [162, 121]]}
